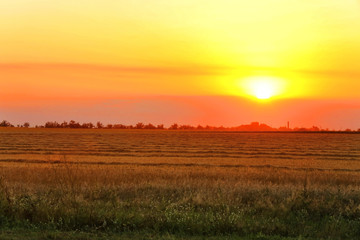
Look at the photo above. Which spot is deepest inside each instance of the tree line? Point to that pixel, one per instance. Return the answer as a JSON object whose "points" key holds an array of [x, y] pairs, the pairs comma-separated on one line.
{"points": [[254, 126]]}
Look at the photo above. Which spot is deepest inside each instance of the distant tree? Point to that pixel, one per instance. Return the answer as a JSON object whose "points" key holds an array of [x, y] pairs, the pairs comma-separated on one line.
{"points": [[109, 126], [87, 125], [199, 127], [185, 127], [120, 126], [73, 124], [160, 126], [26, 125], [149, 126], [139, 125], [5, 123], [52, 125], [174, 126], [315, 129], [99, 125], [64, 125]]}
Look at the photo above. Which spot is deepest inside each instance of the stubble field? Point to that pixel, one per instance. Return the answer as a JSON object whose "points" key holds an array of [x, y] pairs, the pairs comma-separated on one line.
{"points": [[106, 184]]}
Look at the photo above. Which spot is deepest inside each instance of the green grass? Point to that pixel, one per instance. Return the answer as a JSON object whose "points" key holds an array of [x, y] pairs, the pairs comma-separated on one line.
{"points": [[171, 213], [22, 234]]}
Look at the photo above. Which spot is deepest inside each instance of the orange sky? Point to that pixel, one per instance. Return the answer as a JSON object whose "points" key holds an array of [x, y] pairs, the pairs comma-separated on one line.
{"points": [[55, 54]]}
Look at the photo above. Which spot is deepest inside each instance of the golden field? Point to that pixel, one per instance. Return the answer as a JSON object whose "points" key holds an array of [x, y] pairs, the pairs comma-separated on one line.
{"points": [[181, 184]]}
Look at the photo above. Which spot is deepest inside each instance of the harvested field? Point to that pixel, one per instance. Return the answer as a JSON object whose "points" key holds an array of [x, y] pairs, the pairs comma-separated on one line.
{"points": [[181, 184]]}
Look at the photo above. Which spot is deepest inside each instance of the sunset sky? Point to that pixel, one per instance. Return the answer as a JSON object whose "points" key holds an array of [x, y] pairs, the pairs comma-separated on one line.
{"points": [[214, 62]]}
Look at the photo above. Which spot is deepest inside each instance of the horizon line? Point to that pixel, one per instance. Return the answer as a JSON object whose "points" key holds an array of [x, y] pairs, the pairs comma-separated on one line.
{"points": [[252, 127]]}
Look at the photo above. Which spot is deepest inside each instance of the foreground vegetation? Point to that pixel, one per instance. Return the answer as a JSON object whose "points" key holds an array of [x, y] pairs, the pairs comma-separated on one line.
{"points": [[65, 200]]}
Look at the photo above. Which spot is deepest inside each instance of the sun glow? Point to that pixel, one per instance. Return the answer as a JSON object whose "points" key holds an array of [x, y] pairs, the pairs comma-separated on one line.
{"points": [[263, 88]]}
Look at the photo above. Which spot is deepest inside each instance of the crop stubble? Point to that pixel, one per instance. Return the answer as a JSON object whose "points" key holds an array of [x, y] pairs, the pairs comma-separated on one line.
{"points": [[286, 184]]}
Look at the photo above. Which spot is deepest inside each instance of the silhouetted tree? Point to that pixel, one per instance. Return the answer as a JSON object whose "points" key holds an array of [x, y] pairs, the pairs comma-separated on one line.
{"points": [[160, 126], [199, 127], [73, 124], [49, 124], [186, 127], [87, 125], [5, 123], [315, 128], [52, 125], [120, 126], [149, 126], [139, 125], [99, 125], [64, 125], [174, 126], [26, 125]]}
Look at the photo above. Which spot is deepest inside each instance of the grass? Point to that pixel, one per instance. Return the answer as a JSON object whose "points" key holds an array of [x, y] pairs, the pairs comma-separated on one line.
{"points": [[104, 184], [91, 201], [55, 235]]}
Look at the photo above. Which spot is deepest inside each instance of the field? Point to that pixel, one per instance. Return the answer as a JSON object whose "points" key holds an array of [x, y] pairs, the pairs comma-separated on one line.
{"points": [[143, 184]]}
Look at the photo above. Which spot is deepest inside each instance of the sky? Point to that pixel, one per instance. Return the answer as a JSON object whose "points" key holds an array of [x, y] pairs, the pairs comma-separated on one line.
{"points": [[225, 62]]}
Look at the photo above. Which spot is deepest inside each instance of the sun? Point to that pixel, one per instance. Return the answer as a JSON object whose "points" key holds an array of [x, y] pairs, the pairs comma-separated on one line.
{"points": [[262, 87], [263, 90]]}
